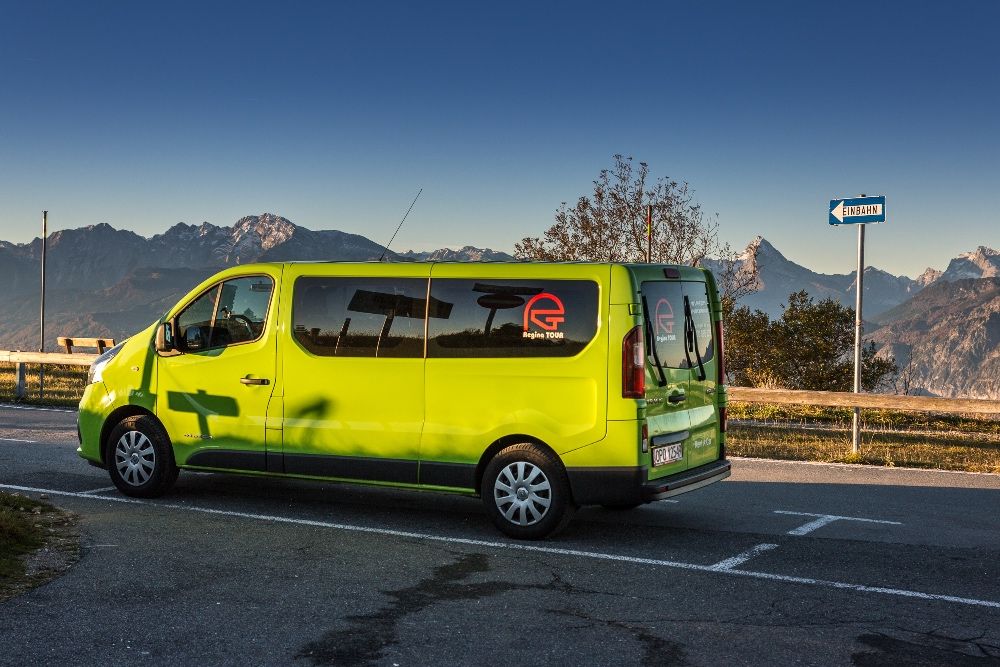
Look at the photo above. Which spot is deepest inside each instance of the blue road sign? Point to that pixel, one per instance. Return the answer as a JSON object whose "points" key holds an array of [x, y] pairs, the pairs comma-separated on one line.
{"points": [[859, 210]]}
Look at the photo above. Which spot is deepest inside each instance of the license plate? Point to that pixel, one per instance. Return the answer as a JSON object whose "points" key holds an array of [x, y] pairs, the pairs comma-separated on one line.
{"points": [[667, 454]]}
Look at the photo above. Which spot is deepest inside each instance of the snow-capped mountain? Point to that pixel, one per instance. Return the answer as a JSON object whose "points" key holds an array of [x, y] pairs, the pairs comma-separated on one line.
{"points": [[779, 277]]}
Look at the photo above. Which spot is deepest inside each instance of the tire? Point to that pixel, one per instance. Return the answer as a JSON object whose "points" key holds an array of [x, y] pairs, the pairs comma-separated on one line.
{"points": [[140, 458], [526, 492], [620, 507]]}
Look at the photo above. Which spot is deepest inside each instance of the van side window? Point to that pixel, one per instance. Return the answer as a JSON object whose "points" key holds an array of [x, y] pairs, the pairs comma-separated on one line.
{"points": [[665, 301], [511, 318], [360, 317], [229, 313]]}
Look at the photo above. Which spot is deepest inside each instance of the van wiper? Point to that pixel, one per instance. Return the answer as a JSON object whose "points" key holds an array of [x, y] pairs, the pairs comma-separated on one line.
{"points": [[651, 340], [691, 337]]}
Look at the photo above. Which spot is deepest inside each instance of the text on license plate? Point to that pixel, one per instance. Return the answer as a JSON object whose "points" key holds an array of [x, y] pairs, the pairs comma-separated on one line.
{"points": [[667, 454]]}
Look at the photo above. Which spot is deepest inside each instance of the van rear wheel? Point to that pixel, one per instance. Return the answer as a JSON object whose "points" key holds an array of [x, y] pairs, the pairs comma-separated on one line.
{"points": [[139, 457], [526, 492]]}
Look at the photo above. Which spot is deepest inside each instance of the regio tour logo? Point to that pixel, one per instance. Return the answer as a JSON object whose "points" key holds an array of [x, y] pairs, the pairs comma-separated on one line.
{"points": [[664, 317], [546, 311]]}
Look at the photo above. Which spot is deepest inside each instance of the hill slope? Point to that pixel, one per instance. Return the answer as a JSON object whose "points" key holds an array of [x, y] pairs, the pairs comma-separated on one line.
{"points": [[947, 338]]}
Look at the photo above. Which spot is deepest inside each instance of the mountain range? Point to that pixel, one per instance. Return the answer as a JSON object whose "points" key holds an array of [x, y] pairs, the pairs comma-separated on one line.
{"points": [[943, 327], [778, 277], [102, 281]]}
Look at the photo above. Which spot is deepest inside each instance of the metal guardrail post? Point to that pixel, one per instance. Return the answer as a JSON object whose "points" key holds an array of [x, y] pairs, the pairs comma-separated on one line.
{"points": [[20, 381]]}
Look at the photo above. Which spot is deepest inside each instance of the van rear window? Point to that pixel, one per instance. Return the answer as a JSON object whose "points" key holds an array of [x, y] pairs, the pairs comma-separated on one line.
{"points": [[668, 320], [511, 318], [360, 317]]}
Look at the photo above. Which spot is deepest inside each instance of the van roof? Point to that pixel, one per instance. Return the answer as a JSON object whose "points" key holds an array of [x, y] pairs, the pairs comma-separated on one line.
{"points": [[490, 262]]}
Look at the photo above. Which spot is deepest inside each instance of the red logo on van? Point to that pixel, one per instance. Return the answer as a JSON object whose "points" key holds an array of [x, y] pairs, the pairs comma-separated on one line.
{"points": [[547, 315], [664, 317]]}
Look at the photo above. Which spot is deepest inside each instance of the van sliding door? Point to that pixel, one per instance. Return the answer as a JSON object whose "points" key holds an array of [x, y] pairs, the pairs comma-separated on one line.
{"points": [[354, 375]]}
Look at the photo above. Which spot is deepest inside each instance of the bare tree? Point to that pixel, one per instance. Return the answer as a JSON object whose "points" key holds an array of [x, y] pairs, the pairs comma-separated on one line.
{"points": [[610, 226], [909, 373]]}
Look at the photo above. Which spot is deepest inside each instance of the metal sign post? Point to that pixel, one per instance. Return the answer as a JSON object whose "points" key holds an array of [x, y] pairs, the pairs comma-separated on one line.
{"points": [[858, 211], [858, 326]]}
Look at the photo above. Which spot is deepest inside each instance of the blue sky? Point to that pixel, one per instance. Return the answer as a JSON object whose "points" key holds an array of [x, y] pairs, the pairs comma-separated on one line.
{"points": [[142, 115]]}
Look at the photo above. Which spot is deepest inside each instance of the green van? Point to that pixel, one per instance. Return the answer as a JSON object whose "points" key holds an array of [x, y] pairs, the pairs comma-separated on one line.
{"points": [[539, 387]]}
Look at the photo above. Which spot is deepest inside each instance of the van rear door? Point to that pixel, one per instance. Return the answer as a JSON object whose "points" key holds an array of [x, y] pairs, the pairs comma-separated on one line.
{"points": [[667, 376], [702, 359]]}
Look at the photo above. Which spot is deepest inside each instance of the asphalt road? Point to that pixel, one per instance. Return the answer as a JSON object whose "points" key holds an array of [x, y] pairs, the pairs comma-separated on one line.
{"points": [[757, 569]]}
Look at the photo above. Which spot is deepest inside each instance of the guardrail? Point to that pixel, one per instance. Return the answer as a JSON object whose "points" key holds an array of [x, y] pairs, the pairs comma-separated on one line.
{"points": [[843, 399], [21, 359], [837, 399]]}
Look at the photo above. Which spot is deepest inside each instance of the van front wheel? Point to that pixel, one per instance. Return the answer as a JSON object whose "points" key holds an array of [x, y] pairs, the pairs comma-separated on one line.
{"points": [[526, 492], [140, 458]]}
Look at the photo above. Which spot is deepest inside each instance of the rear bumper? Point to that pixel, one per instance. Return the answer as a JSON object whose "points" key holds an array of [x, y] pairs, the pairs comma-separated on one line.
{"points": [[689, 480], [626, 485]]}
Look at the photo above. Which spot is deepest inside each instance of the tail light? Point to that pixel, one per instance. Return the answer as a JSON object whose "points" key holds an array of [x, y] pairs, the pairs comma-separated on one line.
{"points": [[719, 344], [721, 365], [645, 437], [633, 365]]}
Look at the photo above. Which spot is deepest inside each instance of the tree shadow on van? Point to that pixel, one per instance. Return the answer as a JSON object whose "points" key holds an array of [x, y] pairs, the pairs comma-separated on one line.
{"points": [[203, 404]]}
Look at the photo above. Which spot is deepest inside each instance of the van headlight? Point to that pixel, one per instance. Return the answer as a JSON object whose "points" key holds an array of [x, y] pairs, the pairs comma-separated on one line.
{"points": [[101, 362]]}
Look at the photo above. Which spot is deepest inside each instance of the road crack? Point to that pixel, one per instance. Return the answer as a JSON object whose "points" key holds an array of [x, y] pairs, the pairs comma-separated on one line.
{"points": [[923, 648], [656, 650]]}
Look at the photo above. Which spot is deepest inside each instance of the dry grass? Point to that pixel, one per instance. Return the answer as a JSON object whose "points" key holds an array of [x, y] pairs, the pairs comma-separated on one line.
{"points": [[18, 533], [37, 542], [888, 438], [945, 451], [63, 384]]}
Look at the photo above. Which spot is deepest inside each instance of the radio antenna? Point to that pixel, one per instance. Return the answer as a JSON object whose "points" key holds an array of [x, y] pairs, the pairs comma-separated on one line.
{"points": [[386, 249]]}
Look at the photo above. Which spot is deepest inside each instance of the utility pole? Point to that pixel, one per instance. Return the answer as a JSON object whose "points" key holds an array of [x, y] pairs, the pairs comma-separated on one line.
{"points": [[41, 314], [649, 234]]}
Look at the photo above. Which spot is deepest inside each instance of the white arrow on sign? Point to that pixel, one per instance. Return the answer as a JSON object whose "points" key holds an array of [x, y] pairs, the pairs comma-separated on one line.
{"points": [[838, 212]]}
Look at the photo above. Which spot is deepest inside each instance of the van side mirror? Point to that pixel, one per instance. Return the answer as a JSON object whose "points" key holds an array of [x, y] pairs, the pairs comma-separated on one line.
{"points": [[165, 337]]}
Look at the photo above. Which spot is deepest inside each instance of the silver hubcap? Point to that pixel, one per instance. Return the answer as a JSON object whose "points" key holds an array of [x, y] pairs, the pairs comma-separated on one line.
{"points": [[522, 493], [135, 458]]}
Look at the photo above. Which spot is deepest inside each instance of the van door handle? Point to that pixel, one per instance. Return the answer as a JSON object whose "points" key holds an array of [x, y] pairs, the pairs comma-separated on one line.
{"points": [[250, 380], [677, 398]]}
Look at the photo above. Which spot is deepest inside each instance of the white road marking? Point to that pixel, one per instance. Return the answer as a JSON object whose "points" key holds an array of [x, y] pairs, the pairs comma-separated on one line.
{"points": [[520, 546], [17, 440], [823, 519], [739, 559], [32, 407], [101, 490]]}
